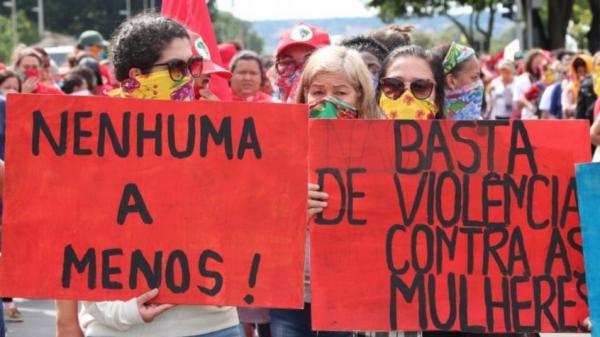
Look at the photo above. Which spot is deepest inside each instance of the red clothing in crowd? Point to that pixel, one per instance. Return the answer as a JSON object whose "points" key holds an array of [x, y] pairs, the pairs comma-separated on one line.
{"points": [[42, 88], [259, 97]]}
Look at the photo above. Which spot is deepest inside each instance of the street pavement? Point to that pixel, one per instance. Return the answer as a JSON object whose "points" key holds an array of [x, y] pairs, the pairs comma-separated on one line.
{"points": [[39, 321]]}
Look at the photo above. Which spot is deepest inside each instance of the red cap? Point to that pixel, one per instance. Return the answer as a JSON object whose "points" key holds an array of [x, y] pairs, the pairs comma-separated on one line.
{"points": [[2, 66], [303, 34], [227, 51], [200, 48]]}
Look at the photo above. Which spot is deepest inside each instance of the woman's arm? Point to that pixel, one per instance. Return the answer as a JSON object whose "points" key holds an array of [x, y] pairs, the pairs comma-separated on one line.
{"points": [[67, 322], [595, 132]]}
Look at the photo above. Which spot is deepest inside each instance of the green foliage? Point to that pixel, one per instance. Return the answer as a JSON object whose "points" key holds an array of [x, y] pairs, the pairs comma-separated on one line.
{"points": [[71, 17], [477, 34], [27, 33], [229, 28], [580, 22]]}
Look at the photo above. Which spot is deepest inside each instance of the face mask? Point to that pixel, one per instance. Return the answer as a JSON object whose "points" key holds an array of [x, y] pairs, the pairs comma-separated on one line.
{"points": [[287, 84], [464, 103], [30, 73], [332, 108], [408, 106], [157, 85], [97, 51], [596, 75], [548, 76]]}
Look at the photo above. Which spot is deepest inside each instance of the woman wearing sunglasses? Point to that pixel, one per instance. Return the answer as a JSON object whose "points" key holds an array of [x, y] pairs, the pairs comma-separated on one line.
{"points": [[411, 85], [153, 60]]}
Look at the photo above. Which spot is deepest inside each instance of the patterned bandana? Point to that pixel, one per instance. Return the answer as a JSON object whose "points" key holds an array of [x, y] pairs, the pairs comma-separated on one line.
{"points": [[332, 108], [286, 86], [456, 55], [464, 103], [596, 75], [408, 106], [157, 85]]}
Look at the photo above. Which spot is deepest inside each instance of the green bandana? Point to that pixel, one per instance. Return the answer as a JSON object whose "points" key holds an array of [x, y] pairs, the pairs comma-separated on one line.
{"points": [[332, 108], [456, 55]]}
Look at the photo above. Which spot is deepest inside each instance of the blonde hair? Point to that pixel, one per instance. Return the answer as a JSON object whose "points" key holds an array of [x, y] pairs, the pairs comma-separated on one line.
{"points": [[341, 60]]}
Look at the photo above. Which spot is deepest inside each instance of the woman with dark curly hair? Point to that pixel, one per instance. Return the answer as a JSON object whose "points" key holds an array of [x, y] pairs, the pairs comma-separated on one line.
{"points": [[153, 60]]}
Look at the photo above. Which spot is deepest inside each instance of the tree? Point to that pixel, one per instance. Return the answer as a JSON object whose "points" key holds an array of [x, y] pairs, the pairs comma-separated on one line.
{"points": [[477, 34], [593, 35], [229, 28], [27, 33], [71, 17]]}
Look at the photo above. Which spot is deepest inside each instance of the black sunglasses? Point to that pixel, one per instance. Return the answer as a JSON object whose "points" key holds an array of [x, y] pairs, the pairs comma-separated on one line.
{"points": [[177, 67], [394, 87]]}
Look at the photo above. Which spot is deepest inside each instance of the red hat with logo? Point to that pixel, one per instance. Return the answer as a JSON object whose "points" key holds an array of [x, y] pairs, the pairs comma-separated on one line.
{"points": [[303, 34], [199, 47]]}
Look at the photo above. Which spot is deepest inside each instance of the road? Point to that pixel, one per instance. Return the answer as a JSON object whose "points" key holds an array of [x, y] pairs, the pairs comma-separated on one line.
{"points": [[39, 316]]}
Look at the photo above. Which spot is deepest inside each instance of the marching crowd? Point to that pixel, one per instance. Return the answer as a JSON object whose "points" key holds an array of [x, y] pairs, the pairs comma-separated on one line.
{"points": [[380, 75]]}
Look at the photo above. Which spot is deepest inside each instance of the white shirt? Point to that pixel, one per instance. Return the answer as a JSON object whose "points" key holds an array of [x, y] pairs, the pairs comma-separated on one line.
{"points": [[501, 98], [546, 99], [122, 319], [521, 84]]}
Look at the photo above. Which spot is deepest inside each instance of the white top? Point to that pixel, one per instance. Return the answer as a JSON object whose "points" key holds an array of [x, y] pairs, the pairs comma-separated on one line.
{"points": [[546, 99], [498, 96], [122, 319], [521, 84]]}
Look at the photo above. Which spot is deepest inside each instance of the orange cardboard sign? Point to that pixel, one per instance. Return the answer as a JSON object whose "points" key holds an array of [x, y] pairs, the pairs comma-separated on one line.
{"points": [[441, 225], [106, 198]]}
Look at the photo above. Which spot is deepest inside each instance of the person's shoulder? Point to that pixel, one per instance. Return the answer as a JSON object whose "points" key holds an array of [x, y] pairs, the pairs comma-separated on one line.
{"points": [[49, 89]]}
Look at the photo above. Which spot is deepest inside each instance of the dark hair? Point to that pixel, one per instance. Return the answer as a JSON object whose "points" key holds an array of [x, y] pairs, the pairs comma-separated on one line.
{"points": [[529, 59], [44, 55], [92, 64], [367, 44], [71, 81], [28, 52], [139, 42], [434, 63], [267, 60], [392, 36], [560, 54], [87, 74], [579, 62], [6, 74], [247, 55]]}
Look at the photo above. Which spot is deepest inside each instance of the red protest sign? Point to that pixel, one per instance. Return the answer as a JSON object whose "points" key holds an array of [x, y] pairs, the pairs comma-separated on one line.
{"points": [[106, 198], [441, 225]]}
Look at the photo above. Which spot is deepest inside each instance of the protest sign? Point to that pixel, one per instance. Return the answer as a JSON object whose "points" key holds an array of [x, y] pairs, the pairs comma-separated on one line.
{"points": [[443, 225], [106, 198], [588, 196]]}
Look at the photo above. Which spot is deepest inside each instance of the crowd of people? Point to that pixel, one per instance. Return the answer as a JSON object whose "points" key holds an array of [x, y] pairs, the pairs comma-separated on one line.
{"points": [[380, 75]]}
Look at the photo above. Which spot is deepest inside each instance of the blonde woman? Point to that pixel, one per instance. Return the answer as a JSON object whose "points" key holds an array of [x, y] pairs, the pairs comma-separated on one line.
{"points": [[335, 83]]}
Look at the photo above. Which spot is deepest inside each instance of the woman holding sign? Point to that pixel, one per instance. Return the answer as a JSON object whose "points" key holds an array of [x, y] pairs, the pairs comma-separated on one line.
{"points": [[336, 84], [154, 52]]}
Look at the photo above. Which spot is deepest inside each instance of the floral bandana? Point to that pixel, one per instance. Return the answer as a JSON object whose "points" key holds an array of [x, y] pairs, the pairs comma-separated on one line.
{"points": [[286, 85], [332, 108], [464, 103], [157, 85], [456, 55], [408, 106], [596, 75]]}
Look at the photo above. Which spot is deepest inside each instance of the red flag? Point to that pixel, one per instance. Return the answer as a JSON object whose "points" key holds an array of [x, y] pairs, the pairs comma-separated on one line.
{"points": [[194, 15]]}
